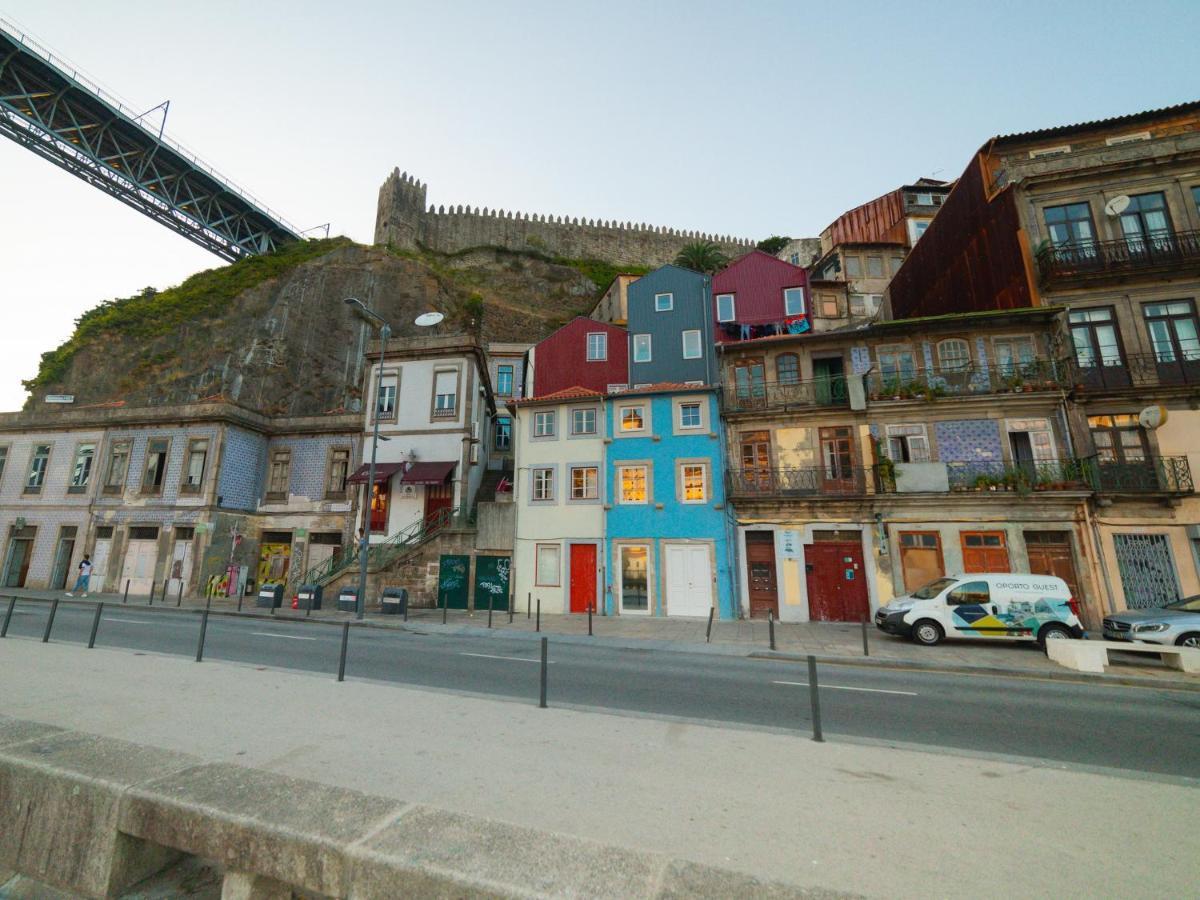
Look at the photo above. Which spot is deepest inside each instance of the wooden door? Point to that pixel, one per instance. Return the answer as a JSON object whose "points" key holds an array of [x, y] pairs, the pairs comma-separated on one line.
{"points": [[837, 585], [453, 586], [837, 460], [1050, 554], [181, 562], [437, 498], [62, 559], [689, 580], [985, 551], [99, 564], [583, 577], [491, 582], [138, 570], [760, 574], [920, 558], [829, 382], [756, 460], [20, 552]]}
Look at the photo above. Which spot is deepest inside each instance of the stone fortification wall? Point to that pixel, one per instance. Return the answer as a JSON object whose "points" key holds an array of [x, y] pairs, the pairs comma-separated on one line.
{"points": [[403, 220]]}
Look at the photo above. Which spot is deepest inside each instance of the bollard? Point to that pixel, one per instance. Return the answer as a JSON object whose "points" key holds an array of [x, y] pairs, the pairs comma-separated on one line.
{"points": [[529, 604], [590, 605], [240, 593], [491, 603], [538, 627], [511, 603], [342, 660], [12, 602], [866, 647], [771, 627], [208, 603], [95, 625], [708, 633], [545, 665], [814, 699], [125, 599], [163, 598], [179, 596], [203, 630], [150, 599], [445, 605], [406, 608], [50, 621]]}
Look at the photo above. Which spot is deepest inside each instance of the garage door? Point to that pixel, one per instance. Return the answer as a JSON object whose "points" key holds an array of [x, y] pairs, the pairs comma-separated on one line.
{"points": [[689, 580]]}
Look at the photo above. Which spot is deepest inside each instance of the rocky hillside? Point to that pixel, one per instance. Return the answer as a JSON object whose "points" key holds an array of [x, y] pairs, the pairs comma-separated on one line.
{"points": [[273, 333]]}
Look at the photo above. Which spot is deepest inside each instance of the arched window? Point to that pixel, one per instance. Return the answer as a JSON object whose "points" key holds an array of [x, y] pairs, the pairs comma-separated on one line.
{"points": [[787, 368], [954, 355]]}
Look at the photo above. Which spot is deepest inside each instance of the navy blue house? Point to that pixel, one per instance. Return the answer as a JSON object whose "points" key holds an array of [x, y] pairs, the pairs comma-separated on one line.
{"points": [[671, 328]]}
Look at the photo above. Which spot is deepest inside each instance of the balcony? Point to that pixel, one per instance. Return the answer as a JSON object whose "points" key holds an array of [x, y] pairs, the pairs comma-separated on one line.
{"points": [[1022, 477], [932, 384], [799, 481], [779, 395], [1098, 260], [1153, 475], [1139, 370]]}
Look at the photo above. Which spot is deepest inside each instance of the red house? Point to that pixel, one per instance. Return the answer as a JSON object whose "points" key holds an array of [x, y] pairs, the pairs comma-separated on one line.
{"points": [[583, 353], [758, 295]]}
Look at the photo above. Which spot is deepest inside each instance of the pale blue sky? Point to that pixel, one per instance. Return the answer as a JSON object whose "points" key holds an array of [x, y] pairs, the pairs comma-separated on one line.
{"points": [[752, 120]]}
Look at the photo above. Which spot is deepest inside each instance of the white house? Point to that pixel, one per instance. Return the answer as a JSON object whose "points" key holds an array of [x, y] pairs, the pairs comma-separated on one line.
{"points": [[435, 410]]}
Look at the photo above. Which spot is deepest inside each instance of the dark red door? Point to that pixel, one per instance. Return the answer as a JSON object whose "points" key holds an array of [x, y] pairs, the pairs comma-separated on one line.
{"points": [[837, 586], [583, 577], [760, 572], [437, 498]]}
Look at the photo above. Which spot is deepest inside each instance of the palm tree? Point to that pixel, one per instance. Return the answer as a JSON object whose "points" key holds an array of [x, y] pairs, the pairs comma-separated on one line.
{"points": [[701, 256]]}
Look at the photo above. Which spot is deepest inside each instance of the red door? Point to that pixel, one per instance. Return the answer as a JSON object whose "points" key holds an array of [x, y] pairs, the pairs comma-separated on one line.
{"points": [[437, 498], [583, 577], [837, 585]]}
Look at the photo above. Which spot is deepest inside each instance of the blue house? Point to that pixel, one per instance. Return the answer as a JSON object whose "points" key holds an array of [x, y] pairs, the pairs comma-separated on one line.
{"points": [[671, 328], [666, 547]]}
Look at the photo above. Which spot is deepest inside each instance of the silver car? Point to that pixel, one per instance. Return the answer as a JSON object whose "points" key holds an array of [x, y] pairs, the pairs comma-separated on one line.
{"points": [[1176, 623]]}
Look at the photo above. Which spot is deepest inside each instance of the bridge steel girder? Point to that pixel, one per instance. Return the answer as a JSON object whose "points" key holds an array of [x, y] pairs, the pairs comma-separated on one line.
{"points": [[60, 118]]}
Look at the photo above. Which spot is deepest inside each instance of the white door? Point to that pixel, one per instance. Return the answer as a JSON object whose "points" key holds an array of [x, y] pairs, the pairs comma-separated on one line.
{"points": [[181, 566], [138, 570], [99, 565], [689, 580]]}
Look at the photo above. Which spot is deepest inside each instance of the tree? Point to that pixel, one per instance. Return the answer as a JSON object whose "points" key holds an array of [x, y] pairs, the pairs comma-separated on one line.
{"points": [[773, 244], [701, 256], [471, 314]]}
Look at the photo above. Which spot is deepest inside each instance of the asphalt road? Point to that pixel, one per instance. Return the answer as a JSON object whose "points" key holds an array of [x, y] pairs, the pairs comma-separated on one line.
{"points": [[1139, 729]]}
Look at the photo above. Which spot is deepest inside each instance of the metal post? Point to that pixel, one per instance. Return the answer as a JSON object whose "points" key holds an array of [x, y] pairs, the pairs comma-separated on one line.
{"points": [[708, 633], [179, 596], [203, 631], [50, 621], [539, 615], [590, 605], [491, 603], [166, 584], [814, 699], [360, 602], [771, 627], [342, 659], [445, 604], [241, 594], [545, 665], [125, 599], [150, 599], [529, 604], [95, 625], [406, 608], [12, 602], [866, 646]]}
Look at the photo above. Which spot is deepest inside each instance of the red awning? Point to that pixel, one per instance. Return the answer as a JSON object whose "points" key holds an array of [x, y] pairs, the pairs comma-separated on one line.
{"points": [[383, 471], [428, 472]]}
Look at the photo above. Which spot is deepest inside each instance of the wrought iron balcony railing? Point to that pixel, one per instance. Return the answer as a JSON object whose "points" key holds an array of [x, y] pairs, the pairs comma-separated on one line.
{"points": [[1122, 257], [1138, 370], [1059, 475], [930, 384], [1153, 475], [799, 481], [765, 395]]}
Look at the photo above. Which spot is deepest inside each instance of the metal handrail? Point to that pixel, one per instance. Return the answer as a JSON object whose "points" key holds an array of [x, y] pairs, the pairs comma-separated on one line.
{"points": [[1042, 475], [1152, 475], [829, 391], [919, 383], [1122, 255], [1136, 369], [800, 481]]}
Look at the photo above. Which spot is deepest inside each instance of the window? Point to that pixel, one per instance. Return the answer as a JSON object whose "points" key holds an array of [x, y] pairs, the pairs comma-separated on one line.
{"points": [[339, 471], [81, 472], [445, 394], [543, 485], [1070, 225], [691, 345], [894, 263], [583, 421], [279, 474], [547, 566], [875, 266], [664, 302], [1094, 336], [503, 435], [897, 363], [689, 415], [385, 407], [787, 368], [597, 346], [907, 443], [504, 381], [193, 471], [38, 463], [633, 418], [794, 259], [971, 593], [924, 199], [543, 424], [1196, 198], [694, 480], [1118, 439], [156, 465], [118, 465], [919, 228], [585, 483], [749, 379], [864, 304], [853, 267], [829, 306], [641, 348], [793, 301], [1173, 331], [954, 355], [1146, 224], [632, 481], [1013, 354], [725, 308]]}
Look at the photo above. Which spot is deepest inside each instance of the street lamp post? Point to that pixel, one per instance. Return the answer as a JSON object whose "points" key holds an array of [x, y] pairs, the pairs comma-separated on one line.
{"points": [[385, 331]]}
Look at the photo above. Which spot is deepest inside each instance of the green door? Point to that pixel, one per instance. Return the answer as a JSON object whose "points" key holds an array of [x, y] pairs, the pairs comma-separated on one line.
{"points": [[491, 580], [452, 581], [829, 382]]}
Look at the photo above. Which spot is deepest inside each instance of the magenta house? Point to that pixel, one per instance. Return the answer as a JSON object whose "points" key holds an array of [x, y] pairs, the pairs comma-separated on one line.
{"points": [[759, 295]]}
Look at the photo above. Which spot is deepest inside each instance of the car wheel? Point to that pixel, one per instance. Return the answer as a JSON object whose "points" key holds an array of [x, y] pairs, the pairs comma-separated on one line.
{"points": [[1053, 632], [928, 632], [1191, 639]]}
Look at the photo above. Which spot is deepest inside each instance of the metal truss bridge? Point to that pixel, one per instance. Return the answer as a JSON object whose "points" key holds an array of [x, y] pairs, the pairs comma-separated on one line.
{"points": [[47, 106]]}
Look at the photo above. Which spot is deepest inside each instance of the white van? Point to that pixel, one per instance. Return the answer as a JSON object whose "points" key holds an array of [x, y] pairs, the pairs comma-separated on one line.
{"points": [[1003, 606]]}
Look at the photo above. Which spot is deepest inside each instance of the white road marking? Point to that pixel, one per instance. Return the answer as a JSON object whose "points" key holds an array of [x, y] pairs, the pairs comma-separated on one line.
{"points": [[129, 621], [513, 658], [843, 687], [289, 637]]}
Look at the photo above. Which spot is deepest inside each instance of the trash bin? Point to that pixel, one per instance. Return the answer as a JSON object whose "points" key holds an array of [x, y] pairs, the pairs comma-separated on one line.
{"points": [[348, 599], [270, 595], [394, 601], [310, 596]]}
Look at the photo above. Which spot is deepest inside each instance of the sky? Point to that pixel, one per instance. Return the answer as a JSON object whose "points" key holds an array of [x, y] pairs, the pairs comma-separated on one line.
{"points": [[745, 119]]}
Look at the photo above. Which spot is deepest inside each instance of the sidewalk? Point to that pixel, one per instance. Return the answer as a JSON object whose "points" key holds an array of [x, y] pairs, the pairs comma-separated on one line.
{"points": [[745, 637], [879, 821]]}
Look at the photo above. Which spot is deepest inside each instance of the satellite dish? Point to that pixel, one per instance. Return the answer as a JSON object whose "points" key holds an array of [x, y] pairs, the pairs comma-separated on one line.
{"points": [[1152, 417], [426, 320], [1117, 205]]}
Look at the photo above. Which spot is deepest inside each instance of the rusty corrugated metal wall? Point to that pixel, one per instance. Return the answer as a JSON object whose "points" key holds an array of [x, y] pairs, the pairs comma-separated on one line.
{"points": [[880, 221]]}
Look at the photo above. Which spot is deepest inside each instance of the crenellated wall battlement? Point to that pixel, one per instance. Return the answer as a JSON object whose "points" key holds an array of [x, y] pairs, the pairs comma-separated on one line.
{"points": [[403, 220]]}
